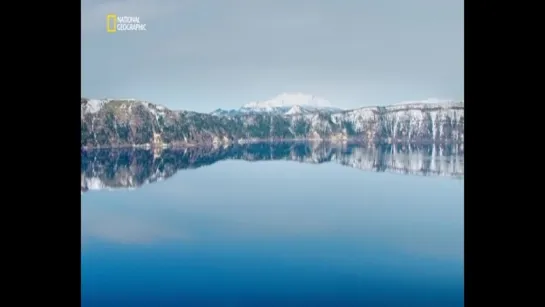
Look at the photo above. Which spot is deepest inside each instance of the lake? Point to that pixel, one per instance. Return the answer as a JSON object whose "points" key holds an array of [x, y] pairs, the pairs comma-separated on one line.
{"points": [[292, 224]]}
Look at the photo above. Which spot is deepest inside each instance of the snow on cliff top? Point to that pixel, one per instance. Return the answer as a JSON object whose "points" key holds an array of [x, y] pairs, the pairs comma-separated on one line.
{"points": [[428, 101], [95, 105], [289, 100]]}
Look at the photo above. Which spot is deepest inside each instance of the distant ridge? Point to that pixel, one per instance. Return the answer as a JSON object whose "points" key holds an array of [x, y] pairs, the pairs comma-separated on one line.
{"points": [[285, 103]]}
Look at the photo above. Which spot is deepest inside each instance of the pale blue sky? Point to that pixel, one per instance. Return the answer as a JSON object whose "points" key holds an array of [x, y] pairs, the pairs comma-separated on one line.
{"points": [[201, 55]]}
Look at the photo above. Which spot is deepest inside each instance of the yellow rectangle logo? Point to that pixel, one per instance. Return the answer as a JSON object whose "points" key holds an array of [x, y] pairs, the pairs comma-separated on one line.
{"points": [[111, 23]]}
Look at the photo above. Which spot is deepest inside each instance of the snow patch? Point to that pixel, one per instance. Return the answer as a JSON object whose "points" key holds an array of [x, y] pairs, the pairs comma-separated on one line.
{"points": [[95, 105], [295, 110]]}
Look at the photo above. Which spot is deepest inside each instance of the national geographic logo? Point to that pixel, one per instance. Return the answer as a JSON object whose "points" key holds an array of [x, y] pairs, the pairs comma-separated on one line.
{"points": [[116, 23]]}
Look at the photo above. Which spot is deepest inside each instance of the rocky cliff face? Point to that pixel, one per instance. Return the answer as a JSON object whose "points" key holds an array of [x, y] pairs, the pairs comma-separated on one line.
{"points": [[119, 123], [131, 168]]}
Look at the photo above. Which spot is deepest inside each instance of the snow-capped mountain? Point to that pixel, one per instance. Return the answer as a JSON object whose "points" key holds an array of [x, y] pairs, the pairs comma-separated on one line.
{"points": [[285, 103], [288, 100]]}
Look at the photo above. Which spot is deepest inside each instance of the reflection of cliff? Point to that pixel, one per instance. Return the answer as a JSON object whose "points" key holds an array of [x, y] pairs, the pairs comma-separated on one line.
{"points": [[130, 168]]}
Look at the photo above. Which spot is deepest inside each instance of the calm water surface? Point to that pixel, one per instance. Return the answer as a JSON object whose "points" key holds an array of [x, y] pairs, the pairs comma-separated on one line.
{"points": [[335, 227]]}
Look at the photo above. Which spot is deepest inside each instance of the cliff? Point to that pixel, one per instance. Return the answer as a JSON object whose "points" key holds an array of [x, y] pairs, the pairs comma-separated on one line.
{"points": [[126, 123]]}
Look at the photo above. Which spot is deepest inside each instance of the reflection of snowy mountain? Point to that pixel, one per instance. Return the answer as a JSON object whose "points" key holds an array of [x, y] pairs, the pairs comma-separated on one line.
{"points": [[131, 168]]}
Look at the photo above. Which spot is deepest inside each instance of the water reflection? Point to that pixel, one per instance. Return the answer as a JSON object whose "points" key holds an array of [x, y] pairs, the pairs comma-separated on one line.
{"points": [[273, 234], [131, 168]]}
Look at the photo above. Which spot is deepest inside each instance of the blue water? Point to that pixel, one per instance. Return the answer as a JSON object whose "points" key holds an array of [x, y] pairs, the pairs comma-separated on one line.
{"points": [[275, 233]]}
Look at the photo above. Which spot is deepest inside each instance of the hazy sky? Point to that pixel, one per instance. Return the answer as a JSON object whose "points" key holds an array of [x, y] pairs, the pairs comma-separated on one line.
{"points": [[205, 54]]}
